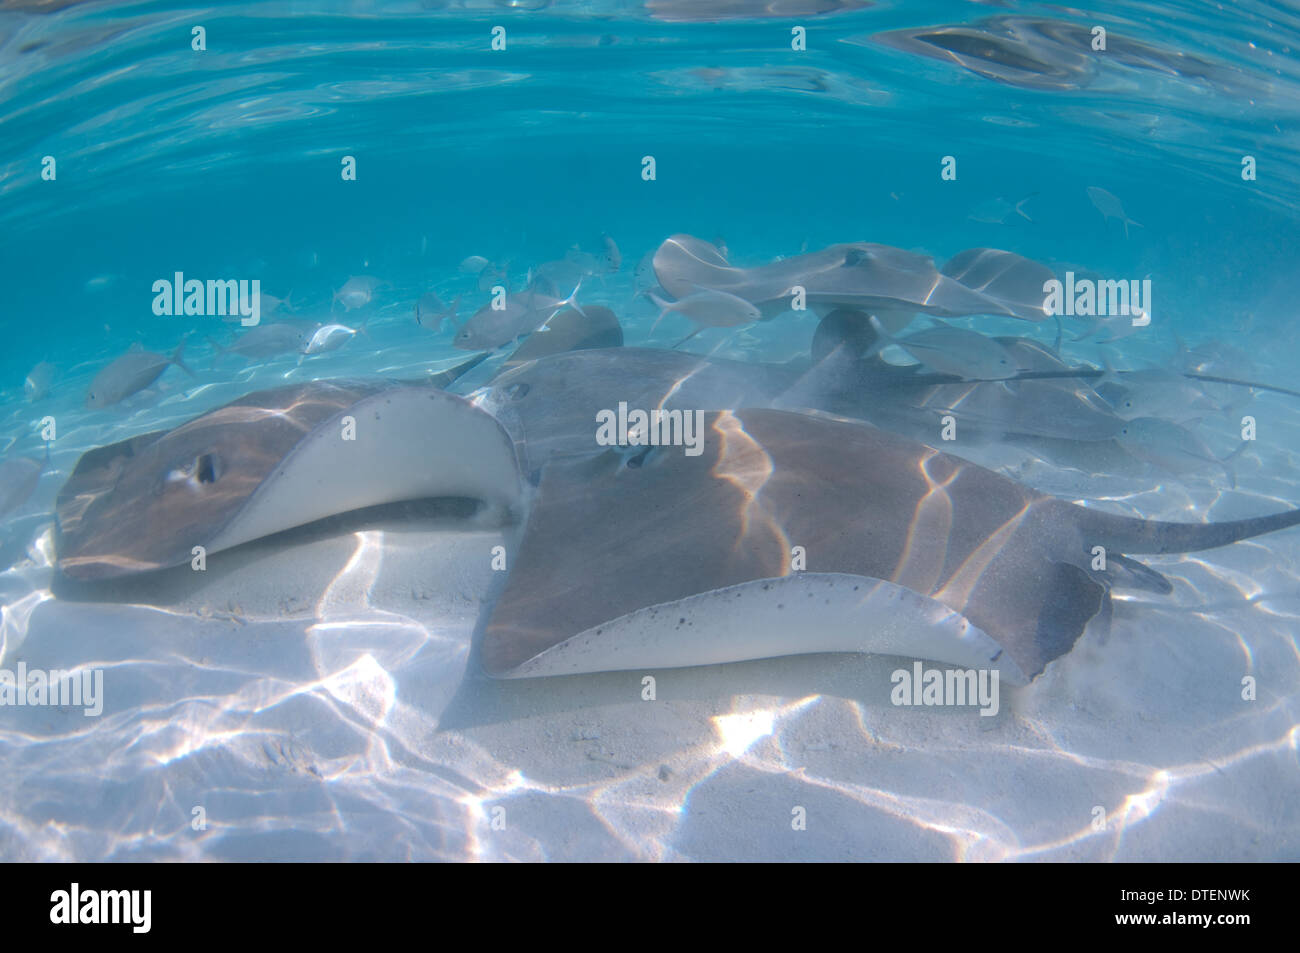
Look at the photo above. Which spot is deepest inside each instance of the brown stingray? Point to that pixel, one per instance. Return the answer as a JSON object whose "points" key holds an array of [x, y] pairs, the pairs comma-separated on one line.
{"points": [[861, 275], [640, 558], [273, 460]]}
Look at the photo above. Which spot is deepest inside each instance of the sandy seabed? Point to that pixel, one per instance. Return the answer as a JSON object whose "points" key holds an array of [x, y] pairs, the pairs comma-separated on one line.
{"points": [[314, 697]]}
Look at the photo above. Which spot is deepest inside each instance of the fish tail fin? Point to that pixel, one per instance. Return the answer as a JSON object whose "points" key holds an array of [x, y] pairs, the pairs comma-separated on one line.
{"points": [[1111, 376], [572, 300], [178, 355], [663, 306], [1229, 463], [1230, 472], [1020, 209], [882, 341], [218, 350]]}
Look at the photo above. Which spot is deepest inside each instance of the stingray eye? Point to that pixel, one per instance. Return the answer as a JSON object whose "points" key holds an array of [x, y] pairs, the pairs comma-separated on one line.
{"points": [[518, 391], [637, 460], [205, 468]]}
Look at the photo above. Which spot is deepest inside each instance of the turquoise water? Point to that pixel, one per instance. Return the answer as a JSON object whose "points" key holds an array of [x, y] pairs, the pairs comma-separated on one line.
{"points": [[225, 163]]}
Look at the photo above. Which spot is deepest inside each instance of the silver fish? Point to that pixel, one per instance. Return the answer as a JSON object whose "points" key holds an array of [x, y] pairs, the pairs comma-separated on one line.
{"points": [[1162, 394], [358, 291], [644, 276], [132, 372], [586, 263], [999, 211], [556, 278], [39, 380], [329, 337], [492, 275], [1110, 207], [523, 313], [267, 305], [710, 309], [268, 340], [431, 311], [612, 256], [944, 350], [1173, 448]]}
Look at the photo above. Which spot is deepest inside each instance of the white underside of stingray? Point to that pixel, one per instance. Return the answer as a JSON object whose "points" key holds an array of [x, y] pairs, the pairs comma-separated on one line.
{"points": [[409, 444], [799, 614]]}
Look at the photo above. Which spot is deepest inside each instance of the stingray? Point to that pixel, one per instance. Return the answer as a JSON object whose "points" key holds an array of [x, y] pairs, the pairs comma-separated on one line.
{"points": [[1012, 279], [683, 11], [1009, 50], [861, 275], [1047, 54], [549, 405], [650, 558], [273, 460], [595, 327]]}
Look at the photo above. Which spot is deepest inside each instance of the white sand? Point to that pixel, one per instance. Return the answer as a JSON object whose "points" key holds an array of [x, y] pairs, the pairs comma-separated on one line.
{"points": [[316, 699]]}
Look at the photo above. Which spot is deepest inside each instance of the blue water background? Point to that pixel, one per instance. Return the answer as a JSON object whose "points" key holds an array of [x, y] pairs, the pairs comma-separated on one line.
{"points": [[225, 163]]}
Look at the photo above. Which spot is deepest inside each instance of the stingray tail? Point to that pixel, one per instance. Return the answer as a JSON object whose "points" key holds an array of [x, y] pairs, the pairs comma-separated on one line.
{"points": [[687, 338], [1125, 534]]}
